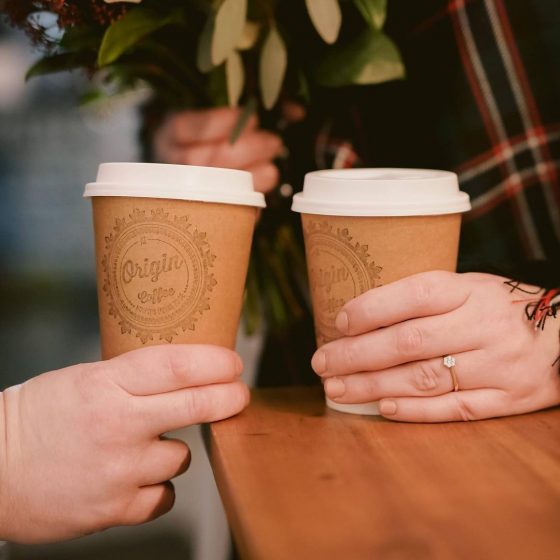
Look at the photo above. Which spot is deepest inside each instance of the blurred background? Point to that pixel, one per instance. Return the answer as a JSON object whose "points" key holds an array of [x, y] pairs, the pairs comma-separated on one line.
{"points": [[49, 149]]}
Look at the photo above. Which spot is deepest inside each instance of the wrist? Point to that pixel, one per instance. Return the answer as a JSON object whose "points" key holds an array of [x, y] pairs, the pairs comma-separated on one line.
{"points": [[8, 405], [3, 471]]}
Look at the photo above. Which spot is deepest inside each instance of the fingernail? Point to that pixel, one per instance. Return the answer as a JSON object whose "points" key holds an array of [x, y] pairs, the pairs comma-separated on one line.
{"points": [[388, 408], [238, 365], [319, 362], [341, 322], [335, 387]]}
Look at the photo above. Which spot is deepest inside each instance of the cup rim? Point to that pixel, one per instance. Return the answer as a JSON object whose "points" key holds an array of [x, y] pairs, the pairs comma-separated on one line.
{"points": [[179, 182]]}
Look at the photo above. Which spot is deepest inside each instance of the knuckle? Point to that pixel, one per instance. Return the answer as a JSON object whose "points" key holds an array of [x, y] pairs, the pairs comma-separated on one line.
{"points": [[104, 420], [425, 378], [197, 405], [423, 289], [101, 410], [465, 410], [115, 472], [371, 388], [426, 285], [409, 340], [111, 513], [179, 370], [363, 307], [349, 356]]}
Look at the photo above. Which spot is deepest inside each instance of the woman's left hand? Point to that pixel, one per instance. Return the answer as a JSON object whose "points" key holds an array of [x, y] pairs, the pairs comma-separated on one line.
{"points": [[395, 338]]}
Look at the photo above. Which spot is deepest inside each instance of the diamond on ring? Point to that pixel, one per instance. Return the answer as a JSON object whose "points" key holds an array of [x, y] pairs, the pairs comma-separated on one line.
{"points": [[449, 361]]}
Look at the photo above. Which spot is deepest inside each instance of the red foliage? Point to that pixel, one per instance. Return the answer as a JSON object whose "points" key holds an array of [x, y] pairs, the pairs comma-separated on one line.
{"points": [[22, 14]]}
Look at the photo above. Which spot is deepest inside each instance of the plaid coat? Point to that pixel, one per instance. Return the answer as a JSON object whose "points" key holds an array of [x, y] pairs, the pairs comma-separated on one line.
{"points": [[482, 98]]}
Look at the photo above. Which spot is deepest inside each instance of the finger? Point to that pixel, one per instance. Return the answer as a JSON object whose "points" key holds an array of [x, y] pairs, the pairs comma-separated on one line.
{"points": [[428, 293], [198, 405], [164, 460], [203, 125], [425, 378], [456, 406], [418, 339], [160, 369], [251, 148], [293, 112], [265, 177], [149, 503]]}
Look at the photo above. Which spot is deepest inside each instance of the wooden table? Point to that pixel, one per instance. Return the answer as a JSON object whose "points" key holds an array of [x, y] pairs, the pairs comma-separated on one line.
{"points": [[299, 481]]}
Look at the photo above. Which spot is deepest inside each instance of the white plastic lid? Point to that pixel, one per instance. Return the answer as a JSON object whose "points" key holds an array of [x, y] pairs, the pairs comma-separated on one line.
{"points": [[183, 182], [381, 192]]}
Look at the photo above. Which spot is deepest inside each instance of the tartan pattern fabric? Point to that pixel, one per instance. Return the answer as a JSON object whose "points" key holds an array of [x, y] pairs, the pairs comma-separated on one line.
{"points": [[482, 98]]}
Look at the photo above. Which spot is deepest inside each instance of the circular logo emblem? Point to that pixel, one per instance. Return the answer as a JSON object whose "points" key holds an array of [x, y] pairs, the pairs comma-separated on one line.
{"points": [[157, 277], [339, 270]]}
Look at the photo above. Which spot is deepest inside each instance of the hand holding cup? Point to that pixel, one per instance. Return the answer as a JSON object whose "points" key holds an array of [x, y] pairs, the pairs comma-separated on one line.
{"points": [[81, 448], [366, 228], [395, 338]]}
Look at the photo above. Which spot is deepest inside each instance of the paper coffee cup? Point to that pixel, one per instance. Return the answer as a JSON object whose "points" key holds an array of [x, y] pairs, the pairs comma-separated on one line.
{"points": [[367, 227], [172, 249]]}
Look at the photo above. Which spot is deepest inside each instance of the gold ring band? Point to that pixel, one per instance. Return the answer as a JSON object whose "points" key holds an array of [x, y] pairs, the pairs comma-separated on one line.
{"points": [[449, 363]]}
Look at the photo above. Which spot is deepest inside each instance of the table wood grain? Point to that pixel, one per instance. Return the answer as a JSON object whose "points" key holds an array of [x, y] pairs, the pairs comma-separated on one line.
{"points": [[299, 481]]}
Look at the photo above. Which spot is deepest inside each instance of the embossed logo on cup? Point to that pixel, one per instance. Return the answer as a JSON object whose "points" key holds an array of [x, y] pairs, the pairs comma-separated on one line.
{"points": [[157, 277], [340, 269]]}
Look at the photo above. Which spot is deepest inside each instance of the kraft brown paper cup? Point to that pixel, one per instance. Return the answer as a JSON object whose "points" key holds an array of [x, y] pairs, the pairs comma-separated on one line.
{"points": [[170, 270], [348, 255]]}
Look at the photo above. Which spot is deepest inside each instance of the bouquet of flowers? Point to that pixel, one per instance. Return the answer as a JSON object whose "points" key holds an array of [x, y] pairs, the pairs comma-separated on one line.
{"points": [[204, 53], [210, 52]]}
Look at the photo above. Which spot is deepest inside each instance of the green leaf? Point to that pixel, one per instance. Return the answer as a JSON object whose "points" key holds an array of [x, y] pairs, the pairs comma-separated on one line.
{"points": [[91, 96], [272, 68], [230, 21], [235, 77], [59, 63], [127, 31], [326, 17], [371, 58], [217, 86], [374, 11], [249, 109], [203, 54]]}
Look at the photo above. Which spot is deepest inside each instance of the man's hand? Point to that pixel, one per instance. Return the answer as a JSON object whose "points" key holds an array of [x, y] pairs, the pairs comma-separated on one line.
{"points": [[80, 448], [395, 337], [201, 137]]}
